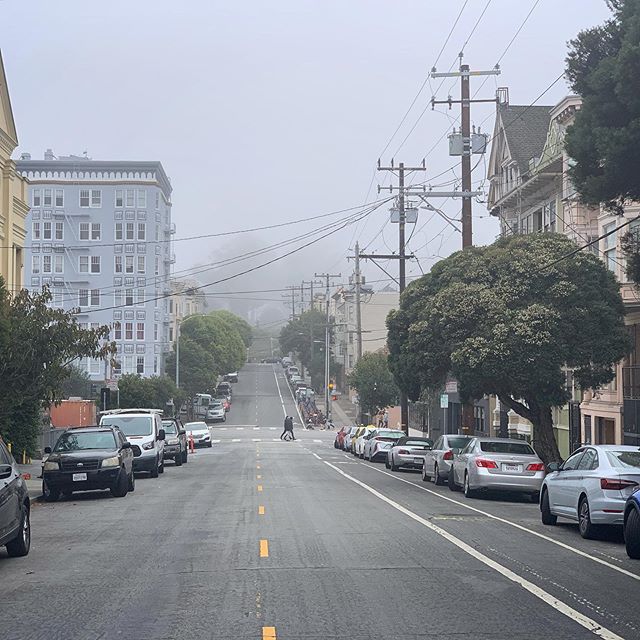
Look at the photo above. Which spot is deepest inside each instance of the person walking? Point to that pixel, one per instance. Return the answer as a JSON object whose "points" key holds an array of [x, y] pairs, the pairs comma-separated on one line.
{"points": [[288, 429]]}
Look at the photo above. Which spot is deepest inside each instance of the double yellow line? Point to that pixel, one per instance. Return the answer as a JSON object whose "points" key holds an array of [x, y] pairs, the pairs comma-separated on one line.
{"points": [[268, 633]]}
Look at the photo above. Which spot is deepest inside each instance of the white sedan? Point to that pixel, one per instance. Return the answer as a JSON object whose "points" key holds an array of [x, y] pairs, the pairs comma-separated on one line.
{"points": [[591, 487], [359, 445], [200, 433]]}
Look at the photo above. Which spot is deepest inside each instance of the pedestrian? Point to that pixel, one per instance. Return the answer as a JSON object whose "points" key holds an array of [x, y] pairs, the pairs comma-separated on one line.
{"points": [[385, 419], [288, 429]]}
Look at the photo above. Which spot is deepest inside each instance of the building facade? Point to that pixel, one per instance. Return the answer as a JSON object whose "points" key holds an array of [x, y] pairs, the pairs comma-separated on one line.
{"points": [[99, 234], [13, 197], [184, 301]]}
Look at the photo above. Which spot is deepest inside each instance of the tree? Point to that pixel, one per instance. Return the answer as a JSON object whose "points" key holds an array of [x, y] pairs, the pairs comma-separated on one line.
{"points": [[505, 320], [37, 346], [603, 67], [77, 384], [374, 382], [151, 393], [197, 368], [237, 323]]}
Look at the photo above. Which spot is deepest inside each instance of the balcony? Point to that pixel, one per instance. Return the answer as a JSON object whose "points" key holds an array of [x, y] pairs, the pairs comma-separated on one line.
{"points": [[171, 229], [170, 258]]}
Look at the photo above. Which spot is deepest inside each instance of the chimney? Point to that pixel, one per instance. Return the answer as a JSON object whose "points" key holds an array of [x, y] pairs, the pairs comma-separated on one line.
{"points": [[48, 155], [502, 96]]}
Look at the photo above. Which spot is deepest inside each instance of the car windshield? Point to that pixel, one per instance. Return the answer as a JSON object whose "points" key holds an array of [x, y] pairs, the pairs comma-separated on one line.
{"points": [[389, 434], [83, 441], [516, 448], [418, 443], [197, 426], [458, 443], [216, 404], [169, 426], [624, 459], [130, 425]]}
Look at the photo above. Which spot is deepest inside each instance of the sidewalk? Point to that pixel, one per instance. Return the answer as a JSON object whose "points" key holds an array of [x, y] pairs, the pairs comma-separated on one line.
{"points": [[33, 472], [341, 418]]}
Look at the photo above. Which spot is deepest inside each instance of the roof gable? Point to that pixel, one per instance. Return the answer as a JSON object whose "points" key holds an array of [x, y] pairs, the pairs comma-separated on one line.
{"points": [[7, 124], [525, 129]]}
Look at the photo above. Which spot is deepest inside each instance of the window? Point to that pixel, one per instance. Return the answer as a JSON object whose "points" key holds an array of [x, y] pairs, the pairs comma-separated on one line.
{"points": [[142, 231], [141, 199], [155, 332], [58, 264], [130, 198], [128, 266], [83, 262], [46, 264], [59, 231], [96, 198], [46, 215], [57, 297], [118, 264], [128, 364], [129, 215], [140, 331], [94, 366], [128, 330], [117, 315], [83, 297], [36, 230], [141, 299], [96, 231], [130, 231], [129, 248], [140, 365], [117, 331], [589, 461], [35, 264], [59, 198], [609, 246], [95, 297], [128, 297], [48, 198], [571, 463], [84, 231], [117, 298], [157, 199], [118, 231], [141, 264], [117, 368], [119, 198], [95, 264], [37, 198], [46, 230], [84, 198]]}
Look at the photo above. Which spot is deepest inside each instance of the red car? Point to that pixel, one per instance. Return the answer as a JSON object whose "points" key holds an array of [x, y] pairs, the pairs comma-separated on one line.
{"points": [[339, 440]]}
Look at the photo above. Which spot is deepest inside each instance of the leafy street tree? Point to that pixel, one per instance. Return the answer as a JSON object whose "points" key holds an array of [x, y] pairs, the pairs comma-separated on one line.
{"points": [[77, 384], [373, 380], [38, 344], [154, 392], [505, 320], [197, 368], [235, 322]]}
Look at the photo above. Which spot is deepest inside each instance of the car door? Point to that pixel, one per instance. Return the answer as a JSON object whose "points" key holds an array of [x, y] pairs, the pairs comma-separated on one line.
{"points": [[430, 456], [585, 474], [127, 454], [562, 485], [461, 460], [9, 498]]}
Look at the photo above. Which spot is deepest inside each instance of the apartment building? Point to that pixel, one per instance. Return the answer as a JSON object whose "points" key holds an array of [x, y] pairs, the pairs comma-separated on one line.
{"points": [[186, 300], [99, 235], [13, 197]]}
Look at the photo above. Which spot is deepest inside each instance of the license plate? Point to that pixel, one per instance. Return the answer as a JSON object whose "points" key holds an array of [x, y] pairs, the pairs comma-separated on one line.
{"points": [[78, 477], [511, 467], [417, 460]]}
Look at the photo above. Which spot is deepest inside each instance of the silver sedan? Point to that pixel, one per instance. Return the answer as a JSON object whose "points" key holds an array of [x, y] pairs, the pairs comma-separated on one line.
{"points": [[407, 452], [591, 487], [437, 461], [497, 463]]}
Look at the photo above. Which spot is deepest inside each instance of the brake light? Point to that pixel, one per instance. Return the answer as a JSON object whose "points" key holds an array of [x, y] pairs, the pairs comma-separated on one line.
{"points": [[403, 452], [536, 466], [448, 455], [486, 464], [616, 484]]}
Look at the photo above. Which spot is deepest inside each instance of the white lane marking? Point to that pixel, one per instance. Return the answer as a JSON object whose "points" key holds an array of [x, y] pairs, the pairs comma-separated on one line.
{"points": [[272, 428], [317, 440], [216, 441], [240, 429], [236, 440], [545, 596], [314, 454], [275, 439], [256, 439], [222, 429], [256, 428], [584, 554], [275, 375]]}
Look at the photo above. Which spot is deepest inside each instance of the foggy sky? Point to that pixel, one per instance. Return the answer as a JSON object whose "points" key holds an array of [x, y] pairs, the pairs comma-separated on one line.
{"points": [[267, 112]]}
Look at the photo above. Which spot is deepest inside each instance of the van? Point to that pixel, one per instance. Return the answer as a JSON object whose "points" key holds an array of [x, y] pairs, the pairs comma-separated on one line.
{"points": [[142, 427]]}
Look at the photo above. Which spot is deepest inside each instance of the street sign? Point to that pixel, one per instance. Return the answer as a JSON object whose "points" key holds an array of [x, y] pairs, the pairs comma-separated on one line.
{"points": [[451, 387], [444, 401], [112, 385]]}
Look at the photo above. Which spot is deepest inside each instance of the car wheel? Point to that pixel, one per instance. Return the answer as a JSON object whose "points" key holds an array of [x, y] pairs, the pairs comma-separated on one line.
{"points": [[386, 463], [210, 445], [545, 510], [50, 495], [161, 467], [394, 467], [451, 481], [468, 491], [535, 497], [632, 534], [224, 418], [178, 460], [425, 477], [132, 481], [121, 487], [154, 471], [586, 528], [185, 457], [436, 476], [20, 545]]}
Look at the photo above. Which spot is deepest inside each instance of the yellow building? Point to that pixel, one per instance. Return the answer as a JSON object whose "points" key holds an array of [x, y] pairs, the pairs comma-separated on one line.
{"points": [[13, 196]]}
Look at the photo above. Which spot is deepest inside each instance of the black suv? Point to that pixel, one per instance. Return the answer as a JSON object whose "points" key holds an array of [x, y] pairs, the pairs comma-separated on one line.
{"points": [[175, 443], [87, 459], [15, 508]]}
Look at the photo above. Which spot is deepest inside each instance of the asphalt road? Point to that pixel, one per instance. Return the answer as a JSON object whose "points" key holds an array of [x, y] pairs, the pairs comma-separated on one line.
{"points": [[258, 538]]}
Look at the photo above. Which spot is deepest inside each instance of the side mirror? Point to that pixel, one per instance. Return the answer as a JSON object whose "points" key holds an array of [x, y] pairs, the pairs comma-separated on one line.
{"points": [[137, 451], [553, 466], [126, 445], [182, 432], [47, 449], [5, 471], [161, 434]]}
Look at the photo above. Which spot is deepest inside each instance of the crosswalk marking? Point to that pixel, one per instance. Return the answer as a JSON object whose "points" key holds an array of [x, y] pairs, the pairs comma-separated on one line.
{"points": [[236, 440], [256, 439], [317, 440], [216, 441]]}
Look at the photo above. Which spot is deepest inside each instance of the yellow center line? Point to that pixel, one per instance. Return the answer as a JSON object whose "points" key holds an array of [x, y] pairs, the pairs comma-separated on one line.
{"points": [[264, 548], [260, 510], [269, 633], [258, 477], [257, 466], [259, 487]]}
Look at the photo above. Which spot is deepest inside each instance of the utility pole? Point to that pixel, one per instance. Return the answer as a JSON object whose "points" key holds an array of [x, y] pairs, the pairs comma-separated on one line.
{"points": [[292, 296], [402, 257], [327, 333], [358, 307]]}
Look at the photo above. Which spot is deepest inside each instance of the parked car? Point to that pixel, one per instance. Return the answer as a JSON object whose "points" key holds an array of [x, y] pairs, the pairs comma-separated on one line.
{"points": [[286, 362], [437, 461], [294, 379], [292, 370], [175, 444], [217, 411], [225, 399], [379, 441], [346, 442], [87, 459], [142, 427], [270, 360], [224, 387], [200, 433], [358, 447], [338, 442], [231, 377], [352, 442], [408, 452], [15, 507], [632, 524], [497, 463], [591, 487]]}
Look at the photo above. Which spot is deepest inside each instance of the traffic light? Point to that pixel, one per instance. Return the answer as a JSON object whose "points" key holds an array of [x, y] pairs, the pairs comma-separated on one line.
{"points": [[331, 386]]}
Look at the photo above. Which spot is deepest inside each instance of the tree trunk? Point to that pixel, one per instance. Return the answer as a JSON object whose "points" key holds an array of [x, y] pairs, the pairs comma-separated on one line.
{"points": [[544, 441]]}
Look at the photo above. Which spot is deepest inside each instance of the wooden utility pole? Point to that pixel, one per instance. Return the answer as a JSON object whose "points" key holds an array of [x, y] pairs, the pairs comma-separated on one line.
{"points": [[358, 305]]}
